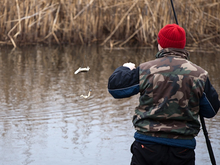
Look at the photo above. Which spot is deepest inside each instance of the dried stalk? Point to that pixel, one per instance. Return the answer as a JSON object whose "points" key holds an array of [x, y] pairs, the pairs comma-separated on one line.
{"points": [[53, 27], [132, 35], [9, 35], [19, 19], [83, 9], [120, 22]]}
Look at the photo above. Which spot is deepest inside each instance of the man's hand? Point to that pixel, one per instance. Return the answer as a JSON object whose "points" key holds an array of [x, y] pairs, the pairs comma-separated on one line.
{"points": [[130, 65]]}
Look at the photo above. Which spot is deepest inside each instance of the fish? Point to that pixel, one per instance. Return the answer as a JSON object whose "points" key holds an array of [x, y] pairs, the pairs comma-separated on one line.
{"points": [[82, 70]]}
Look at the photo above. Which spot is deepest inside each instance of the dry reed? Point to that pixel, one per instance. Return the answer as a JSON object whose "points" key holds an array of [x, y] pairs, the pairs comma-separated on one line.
{"points": [[111, 22]]}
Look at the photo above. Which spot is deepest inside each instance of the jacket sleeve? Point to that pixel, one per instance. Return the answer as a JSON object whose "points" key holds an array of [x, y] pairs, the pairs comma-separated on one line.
{"points": [[209, 103], [124, 82]]}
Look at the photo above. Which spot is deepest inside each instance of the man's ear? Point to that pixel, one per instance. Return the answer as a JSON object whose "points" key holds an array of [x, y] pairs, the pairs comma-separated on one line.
{"points": [[159, 47]]}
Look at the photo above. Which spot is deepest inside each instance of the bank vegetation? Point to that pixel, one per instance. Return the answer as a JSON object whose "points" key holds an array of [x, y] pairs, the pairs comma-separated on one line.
{"points": [[114, 23]]}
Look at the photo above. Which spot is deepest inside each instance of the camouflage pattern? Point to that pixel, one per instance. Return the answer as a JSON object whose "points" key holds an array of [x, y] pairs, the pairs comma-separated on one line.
{"points": [[170, 89]]}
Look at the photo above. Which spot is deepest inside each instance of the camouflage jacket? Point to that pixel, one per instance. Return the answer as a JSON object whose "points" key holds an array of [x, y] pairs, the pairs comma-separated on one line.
{"points": [[170, 90], [173, 91]]}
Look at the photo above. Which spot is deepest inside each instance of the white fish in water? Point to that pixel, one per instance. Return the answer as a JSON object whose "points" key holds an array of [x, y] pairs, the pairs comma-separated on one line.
{"points": [[82, 70]]}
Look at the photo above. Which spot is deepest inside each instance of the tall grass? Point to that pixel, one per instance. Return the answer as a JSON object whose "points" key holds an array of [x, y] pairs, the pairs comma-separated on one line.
{"points": [[108, 22]]}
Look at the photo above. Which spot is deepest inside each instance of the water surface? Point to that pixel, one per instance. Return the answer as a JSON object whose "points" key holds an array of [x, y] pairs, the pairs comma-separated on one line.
{"points": [[43, 119]]}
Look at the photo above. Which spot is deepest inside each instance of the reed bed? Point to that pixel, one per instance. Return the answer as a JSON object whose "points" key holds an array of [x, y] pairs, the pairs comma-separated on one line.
{"points": [[107, 22]]}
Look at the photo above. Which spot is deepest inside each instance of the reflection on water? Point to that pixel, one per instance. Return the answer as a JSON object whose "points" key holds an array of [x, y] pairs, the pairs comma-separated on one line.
{"points": [[43, 119]]}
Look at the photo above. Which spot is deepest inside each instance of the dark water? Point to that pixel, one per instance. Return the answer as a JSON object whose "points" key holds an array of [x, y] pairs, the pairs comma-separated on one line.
{"points": [[43, 119]]}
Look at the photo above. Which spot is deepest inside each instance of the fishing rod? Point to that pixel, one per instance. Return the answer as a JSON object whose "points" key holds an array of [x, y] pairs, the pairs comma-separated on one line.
{"points": [[208, 143], [174, 12]]}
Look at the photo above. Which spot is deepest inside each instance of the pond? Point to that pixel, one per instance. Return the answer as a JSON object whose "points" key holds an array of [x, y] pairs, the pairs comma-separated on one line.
{"points": [[43, 119]]}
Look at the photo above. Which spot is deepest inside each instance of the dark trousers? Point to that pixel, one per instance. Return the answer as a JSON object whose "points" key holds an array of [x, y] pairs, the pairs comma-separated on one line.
{"points": [[156, 154]]}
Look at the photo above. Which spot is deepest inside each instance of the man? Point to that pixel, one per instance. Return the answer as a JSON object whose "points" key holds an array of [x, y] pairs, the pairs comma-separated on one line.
{"points": [[173, 92]]}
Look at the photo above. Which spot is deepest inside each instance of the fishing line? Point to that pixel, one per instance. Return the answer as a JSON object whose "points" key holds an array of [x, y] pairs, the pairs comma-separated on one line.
{"points": [[208, 143], [85, 68]]}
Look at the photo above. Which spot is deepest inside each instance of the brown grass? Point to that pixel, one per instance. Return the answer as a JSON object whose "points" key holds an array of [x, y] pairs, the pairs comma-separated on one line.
{"points": [[111, 22]]}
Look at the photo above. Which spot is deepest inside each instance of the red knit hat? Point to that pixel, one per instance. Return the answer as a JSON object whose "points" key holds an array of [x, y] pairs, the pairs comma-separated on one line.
{"points": [[172, 36]]}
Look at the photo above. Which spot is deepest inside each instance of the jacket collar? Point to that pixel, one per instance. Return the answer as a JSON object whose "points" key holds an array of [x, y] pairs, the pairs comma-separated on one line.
{"points": [[182, 53]]}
